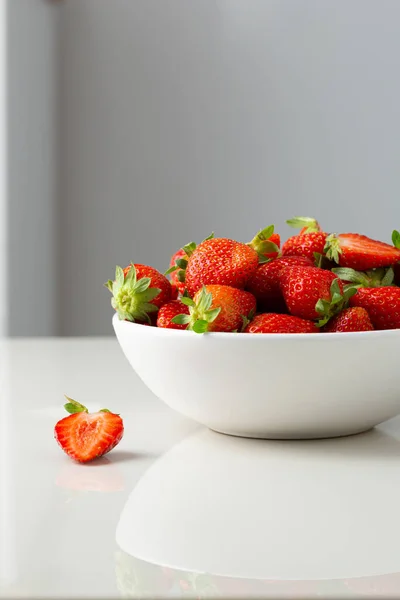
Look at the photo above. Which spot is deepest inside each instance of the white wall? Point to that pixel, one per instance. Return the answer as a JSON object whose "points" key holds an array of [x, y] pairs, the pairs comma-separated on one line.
{"points": [[180, 117], [32, 147]]}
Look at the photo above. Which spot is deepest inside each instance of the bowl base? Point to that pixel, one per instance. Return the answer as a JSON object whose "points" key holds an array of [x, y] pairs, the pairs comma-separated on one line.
{"points": [[277, 435]]}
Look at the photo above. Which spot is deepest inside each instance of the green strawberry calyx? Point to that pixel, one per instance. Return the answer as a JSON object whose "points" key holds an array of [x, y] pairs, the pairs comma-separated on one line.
{"points": [[311, 224], [132, 296], [337, 302], [396, 239], [379, 277], [73, 407], [332, 248], [263, 245], [200, 312]]}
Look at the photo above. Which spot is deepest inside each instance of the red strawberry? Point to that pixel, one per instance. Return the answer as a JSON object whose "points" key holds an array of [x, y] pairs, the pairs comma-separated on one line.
{"points": [[138, 290], [306, 244], [265, 284], [274, 239], [178, 264], [217, 308], [85, 436], [174, 291], [360, 252], [177, 273], [170, 310], [382, 304], [350, 319], [312, 293], [220, 261], [305, 224], [266, 243], [274, 323]]}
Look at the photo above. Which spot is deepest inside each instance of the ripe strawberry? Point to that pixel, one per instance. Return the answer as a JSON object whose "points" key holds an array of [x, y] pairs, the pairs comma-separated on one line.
{"points": [[220, 261], [305, 224], [85, 436], [265, 284], [274, 323], [178, 264], [312, 293], [360, 252], [177, 269], [382, 304], [138, 290], [170, 310], [266, 243], [174, 291], [306, 244], [350, 319], [217, 308]]}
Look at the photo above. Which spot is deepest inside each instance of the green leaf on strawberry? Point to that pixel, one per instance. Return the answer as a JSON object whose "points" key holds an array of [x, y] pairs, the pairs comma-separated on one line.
{"points": [[306, 224], [380, 277], [200, 312], [338, 301], [131, 296], [396, 239], [263, 245]]}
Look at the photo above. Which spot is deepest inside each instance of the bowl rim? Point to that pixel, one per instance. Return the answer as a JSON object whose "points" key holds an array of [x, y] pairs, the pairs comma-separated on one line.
{"points": [[385, 333]]}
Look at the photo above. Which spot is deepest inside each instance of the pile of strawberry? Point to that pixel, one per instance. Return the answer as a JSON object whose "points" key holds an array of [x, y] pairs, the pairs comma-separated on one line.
{"points": [[317, 281]]}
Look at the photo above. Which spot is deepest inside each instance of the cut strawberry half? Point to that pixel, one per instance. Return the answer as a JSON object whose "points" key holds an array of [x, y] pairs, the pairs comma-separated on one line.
{"points": [[360, 252], [84, 436]]}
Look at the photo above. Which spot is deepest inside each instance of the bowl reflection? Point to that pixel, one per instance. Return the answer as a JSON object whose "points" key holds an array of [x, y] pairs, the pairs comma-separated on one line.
{"points": [[234, 517]]}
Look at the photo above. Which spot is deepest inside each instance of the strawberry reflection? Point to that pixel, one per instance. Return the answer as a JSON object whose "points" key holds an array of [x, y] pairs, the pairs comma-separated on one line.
{"points": [[100, 476]]}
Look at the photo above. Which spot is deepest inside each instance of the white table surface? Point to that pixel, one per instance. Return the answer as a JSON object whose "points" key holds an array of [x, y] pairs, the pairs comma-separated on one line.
{"points": [[176, 510]]}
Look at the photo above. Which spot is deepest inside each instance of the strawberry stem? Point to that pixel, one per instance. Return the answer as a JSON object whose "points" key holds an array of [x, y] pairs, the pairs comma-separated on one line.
{"points": [[304, 222], [72, 406], [200, 312], [332, 248], [262, 244]]}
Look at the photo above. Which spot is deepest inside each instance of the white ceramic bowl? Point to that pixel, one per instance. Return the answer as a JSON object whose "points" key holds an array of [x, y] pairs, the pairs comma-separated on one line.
{"points": [[270, 386]]}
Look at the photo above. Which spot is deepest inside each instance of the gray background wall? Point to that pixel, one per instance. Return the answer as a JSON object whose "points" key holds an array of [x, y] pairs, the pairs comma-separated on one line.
{"points": [[178, 117], [32, 164]]}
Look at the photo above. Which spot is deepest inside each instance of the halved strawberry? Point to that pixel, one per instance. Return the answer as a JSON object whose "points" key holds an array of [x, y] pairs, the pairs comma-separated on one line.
{"points": [[138, 290], [360, 252], [85, 436]]}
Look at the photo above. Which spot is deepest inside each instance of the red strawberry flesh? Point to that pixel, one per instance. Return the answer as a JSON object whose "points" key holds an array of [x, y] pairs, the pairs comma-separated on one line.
{"points": [[85, 436]]}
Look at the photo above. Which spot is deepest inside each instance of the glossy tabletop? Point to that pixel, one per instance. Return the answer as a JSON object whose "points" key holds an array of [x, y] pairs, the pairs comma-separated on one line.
{"points": [[177, 511]]}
